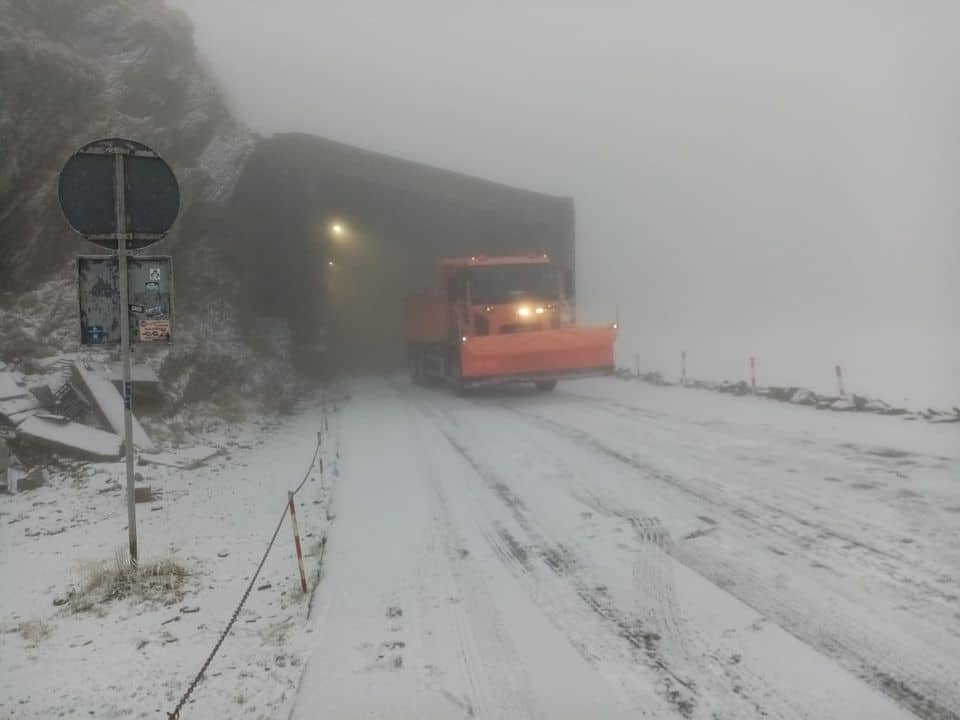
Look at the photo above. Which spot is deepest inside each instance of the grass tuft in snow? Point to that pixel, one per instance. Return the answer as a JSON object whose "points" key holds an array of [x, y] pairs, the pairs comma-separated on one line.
{"points": [[102, 582], [35, 631]]}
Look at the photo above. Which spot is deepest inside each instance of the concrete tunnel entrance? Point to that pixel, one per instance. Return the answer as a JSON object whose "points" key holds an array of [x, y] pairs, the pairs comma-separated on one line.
{"points": [[330, 239]]}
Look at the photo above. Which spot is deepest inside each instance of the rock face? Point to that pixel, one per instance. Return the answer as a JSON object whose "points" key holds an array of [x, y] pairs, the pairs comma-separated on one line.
{"points": [[72, 71]]}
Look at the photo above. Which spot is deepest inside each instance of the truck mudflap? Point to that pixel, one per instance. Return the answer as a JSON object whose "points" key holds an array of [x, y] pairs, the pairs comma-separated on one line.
{"points": [[540, 353]]}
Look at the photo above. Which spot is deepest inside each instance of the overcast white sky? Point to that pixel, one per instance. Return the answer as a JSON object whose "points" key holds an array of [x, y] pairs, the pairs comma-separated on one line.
{"points": [[762, 177]]}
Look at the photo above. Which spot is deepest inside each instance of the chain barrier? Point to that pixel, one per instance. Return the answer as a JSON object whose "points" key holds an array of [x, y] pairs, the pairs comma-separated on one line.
{"points": [[175, 715]]}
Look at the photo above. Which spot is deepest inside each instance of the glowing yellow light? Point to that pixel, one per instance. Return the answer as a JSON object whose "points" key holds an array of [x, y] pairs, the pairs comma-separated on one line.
{"points": [[539, 311], [337, 229], [330, 263], [523, 311]]}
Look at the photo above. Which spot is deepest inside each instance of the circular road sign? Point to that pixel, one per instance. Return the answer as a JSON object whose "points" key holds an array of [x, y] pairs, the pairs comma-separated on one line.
{"points": [[88, 193]]}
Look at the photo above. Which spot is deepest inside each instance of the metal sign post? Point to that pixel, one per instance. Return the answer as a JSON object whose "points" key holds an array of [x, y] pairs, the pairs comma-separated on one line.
{"points": [[145, 202], [120, 210]]}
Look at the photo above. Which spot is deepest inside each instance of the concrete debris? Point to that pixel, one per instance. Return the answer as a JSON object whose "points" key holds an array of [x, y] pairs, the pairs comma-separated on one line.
{"points": [[11, 385], [803, 397], [107, 402], [739, 388], [146, 494], [71, 439], [936, 416], [143, 377], [32, 480], [53, 418], [7, 471], [654, 378], [877, 406], [14, 411], [70, 403], [44, 396], [783, 394]]}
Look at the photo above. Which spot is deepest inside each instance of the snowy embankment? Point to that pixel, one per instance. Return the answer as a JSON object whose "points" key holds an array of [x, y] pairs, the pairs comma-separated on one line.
{"points": [[131, 658], [802, 396]]}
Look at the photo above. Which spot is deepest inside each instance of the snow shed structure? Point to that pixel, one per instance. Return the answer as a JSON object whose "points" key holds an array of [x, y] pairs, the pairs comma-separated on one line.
{"points": [[331, 238]]}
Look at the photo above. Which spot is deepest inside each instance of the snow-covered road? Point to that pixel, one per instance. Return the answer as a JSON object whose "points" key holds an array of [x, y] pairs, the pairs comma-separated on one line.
{"points": [[616, 550]]}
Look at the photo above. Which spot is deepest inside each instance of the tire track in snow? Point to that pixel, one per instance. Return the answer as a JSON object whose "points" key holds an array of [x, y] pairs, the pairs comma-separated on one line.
{"points": [[498, 688], [676, 670], [734, 688], [890, 564], [925, 688], [654, 562]]}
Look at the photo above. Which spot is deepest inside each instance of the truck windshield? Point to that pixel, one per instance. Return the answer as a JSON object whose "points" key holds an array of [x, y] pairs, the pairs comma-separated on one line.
{"points": [[498, 284]]}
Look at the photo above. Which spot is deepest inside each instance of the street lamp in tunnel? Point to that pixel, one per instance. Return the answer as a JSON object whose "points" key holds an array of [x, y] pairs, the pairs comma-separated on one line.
{"points": [[338, 230]]}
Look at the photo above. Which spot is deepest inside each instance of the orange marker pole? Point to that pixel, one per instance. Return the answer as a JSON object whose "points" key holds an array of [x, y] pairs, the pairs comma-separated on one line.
{"points": [[296, 542]]}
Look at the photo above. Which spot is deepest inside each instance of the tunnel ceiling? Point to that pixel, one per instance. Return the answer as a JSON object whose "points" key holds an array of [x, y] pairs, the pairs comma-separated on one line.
{"points": [[398, 218]]}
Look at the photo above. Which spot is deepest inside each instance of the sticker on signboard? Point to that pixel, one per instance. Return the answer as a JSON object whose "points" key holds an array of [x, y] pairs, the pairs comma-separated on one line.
{"points": [[155, 331], [95, 335], [155, 274], [152, 287]]}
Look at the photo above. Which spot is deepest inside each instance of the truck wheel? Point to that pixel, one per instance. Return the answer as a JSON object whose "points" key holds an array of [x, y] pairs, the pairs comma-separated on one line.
{"points": [[546, 385], [455, 374], [415, 365]]}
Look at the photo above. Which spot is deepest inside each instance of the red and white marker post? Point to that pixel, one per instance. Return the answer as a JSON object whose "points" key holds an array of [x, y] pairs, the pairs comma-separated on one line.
{"points": [[753, 374], [840, 388], [296, 542]]}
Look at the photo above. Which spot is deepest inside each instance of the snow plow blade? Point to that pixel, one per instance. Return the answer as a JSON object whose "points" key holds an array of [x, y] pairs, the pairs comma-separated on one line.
{"points": [[536, 354]]}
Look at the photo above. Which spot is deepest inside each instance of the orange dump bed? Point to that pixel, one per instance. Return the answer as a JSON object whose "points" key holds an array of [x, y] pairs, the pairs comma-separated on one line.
{"points": [[426, 318]]}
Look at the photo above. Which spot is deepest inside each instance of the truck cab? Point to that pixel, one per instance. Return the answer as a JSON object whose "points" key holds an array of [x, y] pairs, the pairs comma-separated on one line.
{"points": [[496, 296]]}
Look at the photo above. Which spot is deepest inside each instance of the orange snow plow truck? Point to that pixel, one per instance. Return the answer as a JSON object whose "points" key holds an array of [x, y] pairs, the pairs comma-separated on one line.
{"points": [[501, 320]]}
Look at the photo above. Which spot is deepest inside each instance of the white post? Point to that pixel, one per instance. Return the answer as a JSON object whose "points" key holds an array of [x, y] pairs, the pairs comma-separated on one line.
{"points": [[121, 222], [840, 388]]}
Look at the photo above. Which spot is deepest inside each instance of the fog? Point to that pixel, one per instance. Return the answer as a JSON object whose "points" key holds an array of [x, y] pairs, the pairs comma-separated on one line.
{"points": [[775, 179]]}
